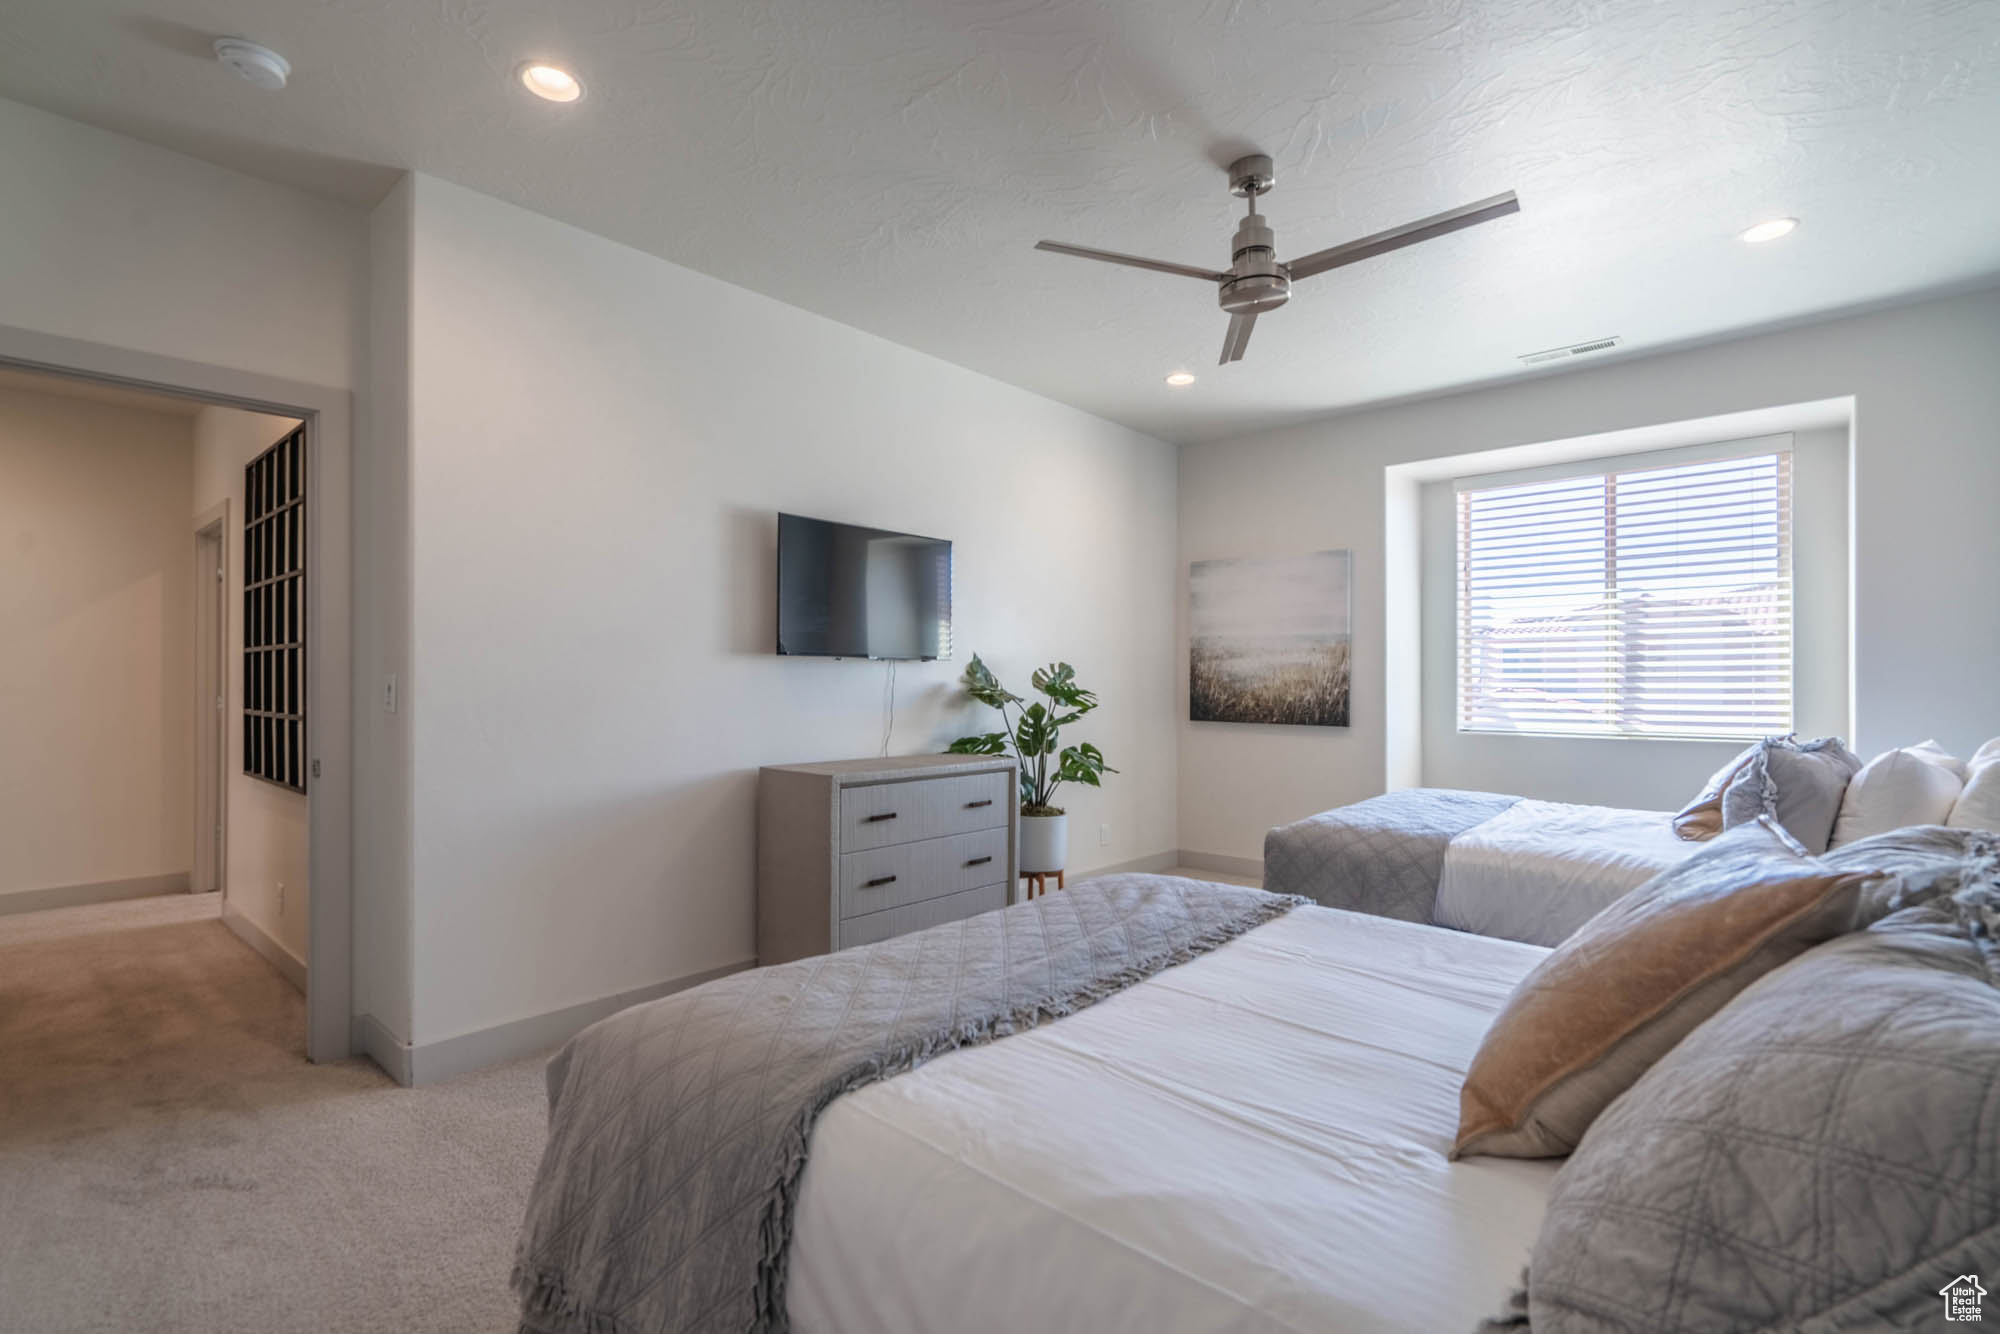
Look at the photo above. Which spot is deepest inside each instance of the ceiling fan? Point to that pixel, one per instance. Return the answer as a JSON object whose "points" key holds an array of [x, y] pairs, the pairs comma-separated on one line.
{"points": [[1256, 282]]}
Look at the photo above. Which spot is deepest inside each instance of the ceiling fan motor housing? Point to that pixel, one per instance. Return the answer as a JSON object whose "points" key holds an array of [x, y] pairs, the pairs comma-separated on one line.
{"points": [[1258, 282]]}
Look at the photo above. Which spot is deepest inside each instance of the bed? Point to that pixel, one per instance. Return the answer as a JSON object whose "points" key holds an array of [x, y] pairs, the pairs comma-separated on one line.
{"points": [[1251, 1139], [1482, 862], [1285, 1105], [1154, 1104]]}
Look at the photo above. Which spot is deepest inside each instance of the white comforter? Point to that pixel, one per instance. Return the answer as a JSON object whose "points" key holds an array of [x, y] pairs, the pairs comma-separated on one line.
{"points": [[1253, 1141], [1540, 869]]}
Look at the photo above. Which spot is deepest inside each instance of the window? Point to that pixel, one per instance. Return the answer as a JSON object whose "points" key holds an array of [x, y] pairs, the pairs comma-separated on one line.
{"points": [[274, 627], [1649, 603]]}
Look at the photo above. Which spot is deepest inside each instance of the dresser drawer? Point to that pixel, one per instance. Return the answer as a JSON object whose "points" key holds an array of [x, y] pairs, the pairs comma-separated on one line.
{"points": [[909, 872], [916, 916], [880, 814]]}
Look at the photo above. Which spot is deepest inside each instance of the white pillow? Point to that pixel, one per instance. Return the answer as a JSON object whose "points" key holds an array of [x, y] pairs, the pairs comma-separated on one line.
{"points": [[1979, 805], [1896, 789], [1936, 754]]}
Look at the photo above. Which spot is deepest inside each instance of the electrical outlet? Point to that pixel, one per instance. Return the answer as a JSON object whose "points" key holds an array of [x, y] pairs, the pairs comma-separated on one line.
{"points": [[1104, 836], [389, 693]]}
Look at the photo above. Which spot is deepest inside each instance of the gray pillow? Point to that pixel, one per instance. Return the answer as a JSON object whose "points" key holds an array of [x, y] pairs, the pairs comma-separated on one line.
{"points": [[1818, 1156], [1797, 783]]}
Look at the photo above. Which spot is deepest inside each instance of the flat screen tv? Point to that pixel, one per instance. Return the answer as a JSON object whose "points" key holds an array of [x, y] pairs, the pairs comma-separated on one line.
{"points": [[850, 592]]}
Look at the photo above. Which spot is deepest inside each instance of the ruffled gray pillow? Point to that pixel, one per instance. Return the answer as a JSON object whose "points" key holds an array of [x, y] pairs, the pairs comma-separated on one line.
{"points": [[1701, 819], [1958, 867], [1797, 783]]}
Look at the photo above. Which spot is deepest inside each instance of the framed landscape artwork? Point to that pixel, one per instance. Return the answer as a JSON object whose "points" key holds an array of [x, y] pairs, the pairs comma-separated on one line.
{"points": [[1268, 639]]}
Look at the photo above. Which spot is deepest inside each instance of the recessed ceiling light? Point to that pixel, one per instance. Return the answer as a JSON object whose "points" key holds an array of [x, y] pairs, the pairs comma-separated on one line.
{"points": [[1770, 231], [1180, 379], [550, 82], [255, 64]]}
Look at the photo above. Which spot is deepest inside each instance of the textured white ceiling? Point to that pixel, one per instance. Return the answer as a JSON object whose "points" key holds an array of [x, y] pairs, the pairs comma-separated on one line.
{"points": [[889, 163]]}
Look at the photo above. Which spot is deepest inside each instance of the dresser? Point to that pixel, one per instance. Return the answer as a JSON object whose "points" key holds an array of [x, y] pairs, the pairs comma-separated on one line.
{"points": [[856, 851]]}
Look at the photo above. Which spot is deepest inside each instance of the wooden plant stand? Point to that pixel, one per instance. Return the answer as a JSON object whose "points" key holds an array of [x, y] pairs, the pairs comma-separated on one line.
{"points": [[1038, 882]]}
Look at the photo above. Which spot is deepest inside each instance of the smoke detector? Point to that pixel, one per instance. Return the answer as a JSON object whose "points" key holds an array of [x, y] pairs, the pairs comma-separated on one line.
{"points": [[1565, 353], [256, 64]]}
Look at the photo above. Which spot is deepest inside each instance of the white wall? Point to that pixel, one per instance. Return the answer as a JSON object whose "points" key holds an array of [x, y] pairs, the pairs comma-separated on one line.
{"points": [[1648, 774], [384, 910], [1925, 622], [264, 873], [96, 643], [109, 240], [598, 444]]}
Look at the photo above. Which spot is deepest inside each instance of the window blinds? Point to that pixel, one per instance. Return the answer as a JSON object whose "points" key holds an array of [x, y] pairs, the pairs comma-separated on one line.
{"points": [[1650, 603]]}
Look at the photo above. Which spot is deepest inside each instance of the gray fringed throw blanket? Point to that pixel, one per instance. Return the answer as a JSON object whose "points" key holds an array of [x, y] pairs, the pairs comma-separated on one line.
{"points": [[678, 1129]]}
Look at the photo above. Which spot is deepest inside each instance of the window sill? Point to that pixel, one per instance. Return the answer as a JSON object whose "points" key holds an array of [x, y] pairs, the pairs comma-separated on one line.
{"points": [[1704, 738]]}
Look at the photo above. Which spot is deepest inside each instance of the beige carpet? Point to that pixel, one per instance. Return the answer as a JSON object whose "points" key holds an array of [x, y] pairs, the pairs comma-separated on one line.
{"points": [[169, 1161]]}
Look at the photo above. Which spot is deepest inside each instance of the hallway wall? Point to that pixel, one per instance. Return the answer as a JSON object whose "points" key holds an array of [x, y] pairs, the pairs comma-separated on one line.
{"points": [[265, 874], [96, 648]]}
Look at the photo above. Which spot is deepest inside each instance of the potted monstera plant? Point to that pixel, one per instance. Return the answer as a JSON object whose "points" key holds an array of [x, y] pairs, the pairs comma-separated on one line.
{"points": [[1032, 737]]}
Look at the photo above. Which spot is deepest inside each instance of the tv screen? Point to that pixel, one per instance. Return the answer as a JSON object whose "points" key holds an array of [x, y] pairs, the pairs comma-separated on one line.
{"points": [[848, 592]]}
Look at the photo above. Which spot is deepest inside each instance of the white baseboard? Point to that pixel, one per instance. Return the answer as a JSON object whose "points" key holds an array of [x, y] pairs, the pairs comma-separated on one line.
{"points": [[102, 891], [289, 964], [445, 1058], [1154, 864], [1250, 867], [370, 1037], [1215, 861]]}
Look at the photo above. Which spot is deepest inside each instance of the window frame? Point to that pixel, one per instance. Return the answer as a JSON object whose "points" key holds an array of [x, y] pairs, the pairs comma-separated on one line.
{"points": [[1612, 468], [274, 744]]}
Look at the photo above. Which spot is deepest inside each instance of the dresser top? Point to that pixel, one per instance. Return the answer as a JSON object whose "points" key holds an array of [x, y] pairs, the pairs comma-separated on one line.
{"points": [[894, 768]]}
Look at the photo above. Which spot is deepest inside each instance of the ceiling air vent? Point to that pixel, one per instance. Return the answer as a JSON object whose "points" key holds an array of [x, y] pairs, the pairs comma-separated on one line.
{"points": [[1565, 353]]}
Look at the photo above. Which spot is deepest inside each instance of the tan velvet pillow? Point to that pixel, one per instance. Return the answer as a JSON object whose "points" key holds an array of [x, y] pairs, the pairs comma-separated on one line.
{"points": [[1641, 975]]}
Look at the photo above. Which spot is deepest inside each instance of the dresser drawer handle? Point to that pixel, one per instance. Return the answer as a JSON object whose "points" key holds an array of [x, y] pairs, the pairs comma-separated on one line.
{"points": [[979, 861], [975, 805], [880, 880], [877, 819]]}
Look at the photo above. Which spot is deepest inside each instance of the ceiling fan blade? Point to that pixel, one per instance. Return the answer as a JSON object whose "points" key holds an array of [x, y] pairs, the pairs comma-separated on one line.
{"points": [[1423, 229], [1133, 261], [1238, 338]]}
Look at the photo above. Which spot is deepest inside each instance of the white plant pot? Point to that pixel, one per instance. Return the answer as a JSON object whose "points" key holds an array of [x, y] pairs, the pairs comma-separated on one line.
{"points": [[1044, 843]]}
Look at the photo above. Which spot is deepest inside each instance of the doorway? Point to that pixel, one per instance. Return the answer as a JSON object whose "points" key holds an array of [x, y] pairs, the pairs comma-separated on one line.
{"points": [[328, 416], [211, 702]]}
